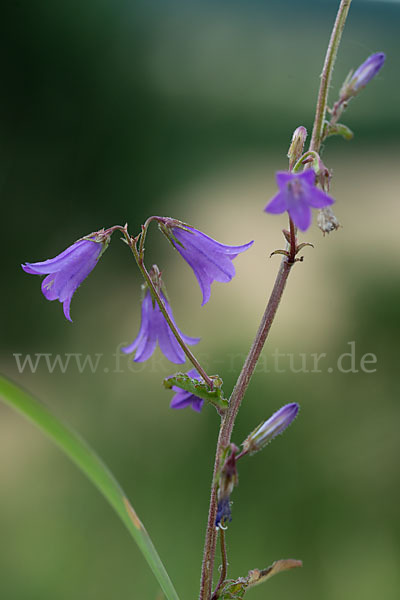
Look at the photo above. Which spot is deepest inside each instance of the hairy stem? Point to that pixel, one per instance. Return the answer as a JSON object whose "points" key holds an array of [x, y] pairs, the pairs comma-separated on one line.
{"points": [[247, 371], [228, 420], [317, 133], [224, 566]]}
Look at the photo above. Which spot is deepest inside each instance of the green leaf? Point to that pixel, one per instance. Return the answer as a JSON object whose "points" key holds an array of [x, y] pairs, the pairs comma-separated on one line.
{"points": [[338, 129], [91, 465], [199, 388], [234, 589]]}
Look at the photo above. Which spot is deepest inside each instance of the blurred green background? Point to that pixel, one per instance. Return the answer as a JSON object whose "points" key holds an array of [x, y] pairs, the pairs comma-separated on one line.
{"points": [[111, 112]]}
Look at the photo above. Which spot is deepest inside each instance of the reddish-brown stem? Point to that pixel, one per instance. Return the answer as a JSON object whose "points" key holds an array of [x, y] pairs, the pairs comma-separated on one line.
{"points": [[229, 419], [224, 566], [293, 243]]}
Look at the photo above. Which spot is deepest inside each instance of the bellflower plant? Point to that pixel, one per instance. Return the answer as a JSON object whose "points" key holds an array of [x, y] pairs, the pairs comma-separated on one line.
{"points": [[67, 270], [303, 187]]}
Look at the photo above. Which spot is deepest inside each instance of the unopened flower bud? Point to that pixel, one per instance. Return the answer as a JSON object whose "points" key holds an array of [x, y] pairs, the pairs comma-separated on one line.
{"points": [[297, 145], [268, 430], [363, 75]]}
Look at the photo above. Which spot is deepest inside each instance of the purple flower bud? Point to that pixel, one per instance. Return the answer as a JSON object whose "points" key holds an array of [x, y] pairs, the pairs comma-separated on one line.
{"points": [[224, 514], [182, 399], [66, 271], [154, 328], [268, 430], [297, 194], [210, 260], [362, 75]]}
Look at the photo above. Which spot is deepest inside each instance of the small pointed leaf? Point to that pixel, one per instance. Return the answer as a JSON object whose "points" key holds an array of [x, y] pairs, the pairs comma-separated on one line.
{"points": [[339, 129]]}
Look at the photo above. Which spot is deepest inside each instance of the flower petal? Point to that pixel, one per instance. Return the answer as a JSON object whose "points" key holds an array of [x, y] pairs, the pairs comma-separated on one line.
{"points": [[283, 178], [76, 252], [143, 333], [277, 205], [318, 199], [208, 265], [66, 307], [209, 259], [168, 343], [48, 289], [202, 277], [181, 400], [148, 341], [199, 239], [300, 213], [145, 348], [307, 177]]}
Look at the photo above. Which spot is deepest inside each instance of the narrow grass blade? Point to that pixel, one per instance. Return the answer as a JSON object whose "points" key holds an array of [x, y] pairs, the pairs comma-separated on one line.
{"points": [[90, 464]]}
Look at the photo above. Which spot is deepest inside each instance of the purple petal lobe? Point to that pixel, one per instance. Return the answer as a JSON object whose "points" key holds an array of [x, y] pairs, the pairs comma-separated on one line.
{"points": [[277, 205], [300, 214], [318, 199]]}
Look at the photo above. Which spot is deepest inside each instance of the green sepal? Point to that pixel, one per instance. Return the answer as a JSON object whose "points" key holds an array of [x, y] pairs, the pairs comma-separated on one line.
{"points": [[234, 589], [166, 228], [167, 231], [199, 388], [284, 252], [303, 245], [338, 129]]}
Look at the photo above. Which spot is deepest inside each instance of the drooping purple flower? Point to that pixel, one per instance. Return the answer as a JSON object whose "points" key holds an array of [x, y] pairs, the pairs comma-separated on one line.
{"points": [[66, 271], [154, 328], [182, 399], [210, 260], [298, 194], [363, 75], [268, 430]]}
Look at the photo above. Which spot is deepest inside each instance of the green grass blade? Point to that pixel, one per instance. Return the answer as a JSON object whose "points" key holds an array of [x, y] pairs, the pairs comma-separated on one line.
{"points": [[86, 459]]}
